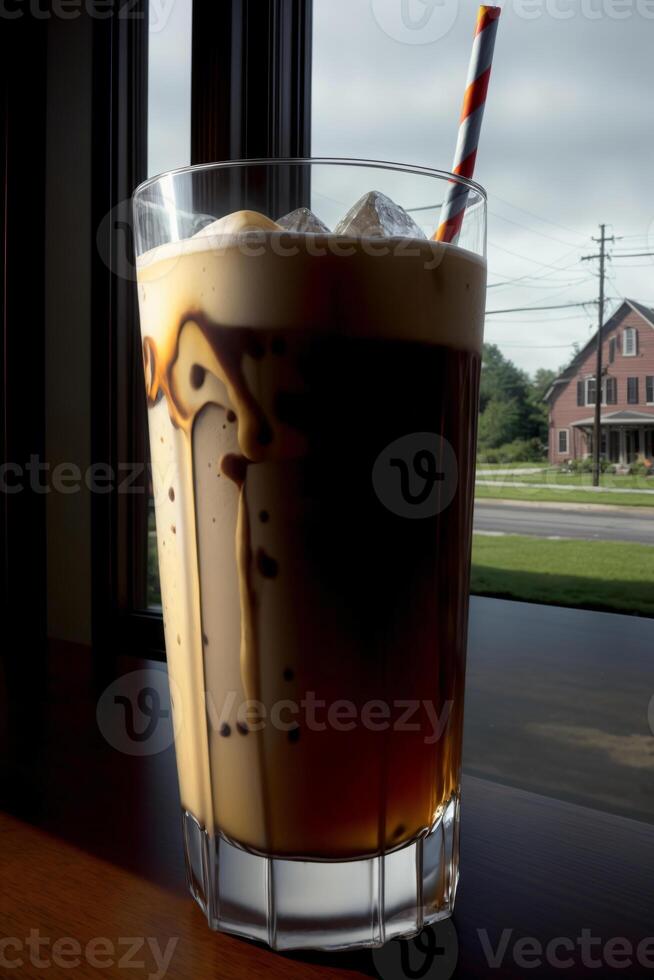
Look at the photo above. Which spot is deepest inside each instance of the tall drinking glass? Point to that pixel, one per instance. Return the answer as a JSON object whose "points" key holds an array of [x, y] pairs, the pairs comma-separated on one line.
{"points": [[312, 411]]}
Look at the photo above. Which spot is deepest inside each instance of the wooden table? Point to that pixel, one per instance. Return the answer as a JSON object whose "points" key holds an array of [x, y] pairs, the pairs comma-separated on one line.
{"points": [[92, 852], [531, 867]]}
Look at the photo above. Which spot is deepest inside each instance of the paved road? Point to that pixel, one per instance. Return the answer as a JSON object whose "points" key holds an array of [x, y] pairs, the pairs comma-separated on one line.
{"points": [[630, 524]]}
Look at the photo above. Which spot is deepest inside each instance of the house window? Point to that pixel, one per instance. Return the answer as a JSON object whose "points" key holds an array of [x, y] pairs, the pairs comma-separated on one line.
{"points": [[611, 389], [581, 395], [563, 440], [630, 342], [591, 391], [611, 350], [632, 391], [649, 389]]}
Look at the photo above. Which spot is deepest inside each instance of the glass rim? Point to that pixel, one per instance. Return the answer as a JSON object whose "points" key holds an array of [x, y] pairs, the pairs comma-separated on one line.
{"points": [[408, 168]]}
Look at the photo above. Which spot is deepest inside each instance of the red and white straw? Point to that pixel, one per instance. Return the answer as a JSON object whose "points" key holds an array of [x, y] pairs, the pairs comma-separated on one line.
{"points": [[472, 113]]}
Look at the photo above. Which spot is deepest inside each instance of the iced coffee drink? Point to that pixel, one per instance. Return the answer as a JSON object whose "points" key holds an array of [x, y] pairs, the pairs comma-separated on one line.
{"points": [[315, 632]]}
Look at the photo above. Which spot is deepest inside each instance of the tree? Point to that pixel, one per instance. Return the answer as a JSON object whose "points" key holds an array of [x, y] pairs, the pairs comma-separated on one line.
{"points": [[539, 409], [499, 423], [505, 406], [500, 378]]}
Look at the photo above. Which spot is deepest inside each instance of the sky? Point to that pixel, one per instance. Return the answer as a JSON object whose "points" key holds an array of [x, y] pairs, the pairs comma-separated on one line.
{"points": [[568, 138]]}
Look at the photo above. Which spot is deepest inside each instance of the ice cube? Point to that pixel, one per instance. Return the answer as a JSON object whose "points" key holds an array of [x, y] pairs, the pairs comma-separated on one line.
{"points": [[238, 223], [376, 216], [304, 221]]}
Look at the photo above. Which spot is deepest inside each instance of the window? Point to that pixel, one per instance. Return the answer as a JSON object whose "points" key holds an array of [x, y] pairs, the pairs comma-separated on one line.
{"points": [[632, 391], [649, 389], [563, 440], [581, 397], [169, 86], [630, 342], [247, 95], [591, 391], [611, 387], [611, 350]]}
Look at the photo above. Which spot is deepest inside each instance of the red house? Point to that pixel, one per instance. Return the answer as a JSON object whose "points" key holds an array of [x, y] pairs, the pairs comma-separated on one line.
{"points": [[627, 392]]}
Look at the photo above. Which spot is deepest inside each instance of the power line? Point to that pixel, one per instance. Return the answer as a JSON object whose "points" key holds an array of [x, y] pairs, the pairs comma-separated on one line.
{"points": [[545, 265], [555, 284], [532, 231], [526, 309], [537, 346], [532, 214], [544, 321]]}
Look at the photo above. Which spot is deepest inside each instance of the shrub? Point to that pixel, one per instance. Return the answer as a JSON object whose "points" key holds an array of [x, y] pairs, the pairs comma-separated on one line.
{"points": [[585, 465], [518, 451]]}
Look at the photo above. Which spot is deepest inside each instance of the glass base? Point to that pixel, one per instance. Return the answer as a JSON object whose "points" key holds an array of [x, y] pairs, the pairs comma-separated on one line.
{"points": [[329, 905]]}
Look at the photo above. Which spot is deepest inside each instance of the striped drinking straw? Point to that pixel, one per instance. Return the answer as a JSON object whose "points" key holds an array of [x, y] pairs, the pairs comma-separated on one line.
{"points": [[472, 114]]}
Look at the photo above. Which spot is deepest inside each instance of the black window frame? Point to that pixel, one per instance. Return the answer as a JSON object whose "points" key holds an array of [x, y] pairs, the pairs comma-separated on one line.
{"points": [[633, 391], [23, 541], [250, 97], [612, 345], [649, 389]]}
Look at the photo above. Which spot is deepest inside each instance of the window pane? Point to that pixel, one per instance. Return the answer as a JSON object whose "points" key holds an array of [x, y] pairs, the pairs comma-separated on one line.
{"points": [[169, 86], [650, 388]]}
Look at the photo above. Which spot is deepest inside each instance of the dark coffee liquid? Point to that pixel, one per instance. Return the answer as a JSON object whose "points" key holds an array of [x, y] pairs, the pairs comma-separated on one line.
{"points": [[355, 611]]}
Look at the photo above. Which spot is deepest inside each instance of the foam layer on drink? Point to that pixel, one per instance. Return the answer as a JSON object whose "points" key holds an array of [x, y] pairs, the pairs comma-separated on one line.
{"points": [[249, 357], [408, 289]]}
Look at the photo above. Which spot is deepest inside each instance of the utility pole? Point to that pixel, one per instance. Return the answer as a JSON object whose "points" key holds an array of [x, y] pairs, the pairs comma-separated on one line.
{"points": [[597, 430]]}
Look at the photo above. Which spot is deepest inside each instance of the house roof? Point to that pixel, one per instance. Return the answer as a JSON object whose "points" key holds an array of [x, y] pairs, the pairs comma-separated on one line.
{"points": [[626, 307], [620, 418]]}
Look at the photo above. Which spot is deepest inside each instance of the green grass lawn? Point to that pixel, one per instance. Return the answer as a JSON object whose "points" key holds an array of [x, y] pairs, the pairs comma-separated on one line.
{"points": [[571, 496], [611, 575], [555, 478], [511, 466]]}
